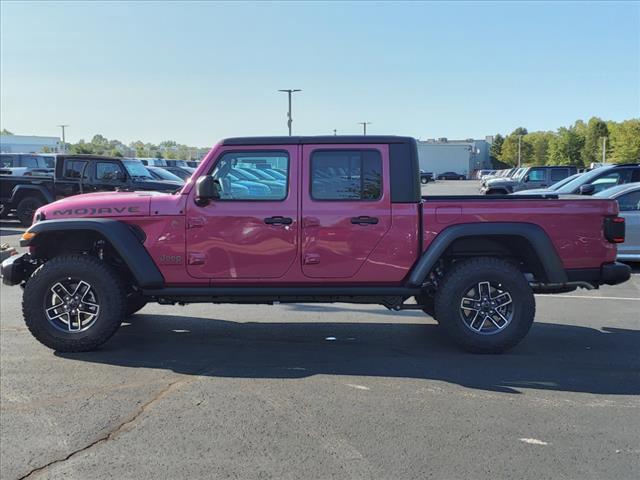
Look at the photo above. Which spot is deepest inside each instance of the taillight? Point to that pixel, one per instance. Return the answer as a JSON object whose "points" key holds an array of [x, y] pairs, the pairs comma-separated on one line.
{"points": [[614, 229]]}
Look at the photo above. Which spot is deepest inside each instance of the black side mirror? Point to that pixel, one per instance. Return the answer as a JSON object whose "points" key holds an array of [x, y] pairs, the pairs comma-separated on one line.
{"points": [[207, 189], [587, 189]]}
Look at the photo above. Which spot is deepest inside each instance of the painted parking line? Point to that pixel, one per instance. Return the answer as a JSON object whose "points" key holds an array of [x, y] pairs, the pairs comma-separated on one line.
{"points": [[588, 296]]}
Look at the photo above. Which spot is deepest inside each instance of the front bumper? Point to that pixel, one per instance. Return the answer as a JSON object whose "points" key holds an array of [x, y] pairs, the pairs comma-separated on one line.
{"points": [[16, 269]]}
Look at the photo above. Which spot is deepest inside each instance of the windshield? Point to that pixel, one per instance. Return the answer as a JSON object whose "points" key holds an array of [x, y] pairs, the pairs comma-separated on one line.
{"points": [[137, 169]]}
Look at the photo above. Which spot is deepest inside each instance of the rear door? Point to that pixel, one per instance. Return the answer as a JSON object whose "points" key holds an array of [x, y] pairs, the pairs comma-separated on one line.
{"points": [[346, 207]]}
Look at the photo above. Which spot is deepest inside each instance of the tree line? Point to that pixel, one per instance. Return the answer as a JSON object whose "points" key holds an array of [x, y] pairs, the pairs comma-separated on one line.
{"points": [[580, 144]]}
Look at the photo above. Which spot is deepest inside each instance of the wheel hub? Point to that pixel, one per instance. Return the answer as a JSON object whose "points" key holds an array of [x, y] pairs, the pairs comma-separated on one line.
{"points": [[486, 308], [72, 305]]}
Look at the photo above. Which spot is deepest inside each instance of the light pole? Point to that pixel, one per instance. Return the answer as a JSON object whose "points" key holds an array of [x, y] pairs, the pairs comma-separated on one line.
{"points": [[364, 126], [519, 150], [289, 118], [64, 142]]}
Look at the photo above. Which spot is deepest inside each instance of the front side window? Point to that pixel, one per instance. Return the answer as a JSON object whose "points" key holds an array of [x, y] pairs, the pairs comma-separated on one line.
{"points": [[239, 179], [346, 175], [535, 175], [630, 202], [618, 177], [109, 172], [29, 162]]}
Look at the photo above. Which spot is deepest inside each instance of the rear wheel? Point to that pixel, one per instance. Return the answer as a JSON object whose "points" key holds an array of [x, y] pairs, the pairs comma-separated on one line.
{"points": [[485, 305], [26, 209], [73, 303]]}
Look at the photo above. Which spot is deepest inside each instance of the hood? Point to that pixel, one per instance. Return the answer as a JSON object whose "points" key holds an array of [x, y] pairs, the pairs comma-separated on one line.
{"points": [[535, 191], [99, 205], [501, 181]]}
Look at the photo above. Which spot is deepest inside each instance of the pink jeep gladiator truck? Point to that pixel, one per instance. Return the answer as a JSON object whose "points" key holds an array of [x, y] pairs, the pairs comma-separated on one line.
{"points": [[311, 219]]}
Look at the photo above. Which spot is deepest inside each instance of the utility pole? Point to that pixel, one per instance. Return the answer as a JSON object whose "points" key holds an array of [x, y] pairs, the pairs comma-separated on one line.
{"points": [[289, 118], [604, 150], [64, 142], [364, 126], [519, 150]]}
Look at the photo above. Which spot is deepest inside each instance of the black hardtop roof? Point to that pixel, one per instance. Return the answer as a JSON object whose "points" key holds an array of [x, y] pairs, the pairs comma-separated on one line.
{"points": [[321, 139]]}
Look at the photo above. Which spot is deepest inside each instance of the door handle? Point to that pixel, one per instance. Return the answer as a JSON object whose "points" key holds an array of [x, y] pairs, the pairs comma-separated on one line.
{"points": [[278, 220], [363, 220]]}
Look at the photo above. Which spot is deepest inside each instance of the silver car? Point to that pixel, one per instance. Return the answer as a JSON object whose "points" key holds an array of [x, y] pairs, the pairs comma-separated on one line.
{"points": [[628, 197]]}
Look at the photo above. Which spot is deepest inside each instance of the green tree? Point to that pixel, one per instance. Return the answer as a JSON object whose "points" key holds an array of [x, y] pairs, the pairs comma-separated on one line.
{"points": [[496, 147], [566, 148], [595, 130], [625, 141], [539, 142], [509, 153], [5, 132]]}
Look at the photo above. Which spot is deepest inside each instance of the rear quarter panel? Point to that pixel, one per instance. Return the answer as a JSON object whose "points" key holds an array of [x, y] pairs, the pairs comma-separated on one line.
{"points": [[574, 226]]}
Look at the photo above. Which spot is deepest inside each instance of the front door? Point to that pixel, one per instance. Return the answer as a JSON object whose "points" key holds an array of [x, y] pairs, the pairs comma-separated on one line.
{"points": [[346, 207], [251, 231]]}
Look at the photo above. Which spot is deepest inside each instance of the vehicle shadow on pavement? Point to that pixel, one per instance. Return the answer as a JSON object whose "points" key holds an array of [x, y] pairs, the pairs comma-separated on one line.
{"points": [[552, 357]]}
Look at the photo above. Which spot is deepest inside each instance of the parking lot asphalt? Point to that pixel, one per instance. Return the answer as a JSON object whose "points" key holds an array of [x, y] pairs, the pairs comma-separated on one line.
{"points": [[326, 391]]}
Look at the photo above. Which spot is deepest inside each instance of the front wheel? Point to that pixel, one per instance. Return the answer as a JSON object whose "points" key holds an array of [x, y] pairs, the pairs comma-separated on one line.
{"points": [[26, 209], [485, 305], [73, 303]]}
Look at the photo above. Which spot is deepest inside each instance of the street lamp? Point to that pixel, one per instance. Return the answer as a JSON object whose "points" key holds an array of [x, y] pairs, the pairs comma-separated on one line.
{"points": [[64, 143], [289, 118], [364, 126]]}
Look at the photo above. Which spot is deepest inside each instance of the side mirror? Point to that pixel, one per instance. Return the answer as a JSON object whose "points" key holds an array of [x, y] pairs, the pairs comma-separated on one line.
{"points": [[207, 189], [526, 178], [587, 189]]}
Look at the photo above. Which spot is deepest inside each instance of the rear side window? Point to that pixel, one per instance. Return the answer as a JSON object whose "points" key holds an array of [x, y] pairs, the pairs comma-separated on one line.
{"points": [[558, 174], [75, 169], [253, 175], [29, 162], [536, 175], [615, 177], [346, 175], [630, 202]]}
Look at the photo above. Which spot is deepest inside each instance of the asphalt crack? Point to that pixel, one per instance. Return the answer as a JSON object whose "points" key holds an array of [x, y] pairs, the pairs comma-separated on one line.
{"points": [[113, 433]]}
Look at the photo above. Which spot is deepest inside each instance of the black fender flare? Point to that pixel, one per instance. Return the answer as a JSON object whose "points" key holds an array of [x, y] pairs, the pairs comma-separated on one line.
{"points": [[121, 236], [534, 234], [27, 189]]}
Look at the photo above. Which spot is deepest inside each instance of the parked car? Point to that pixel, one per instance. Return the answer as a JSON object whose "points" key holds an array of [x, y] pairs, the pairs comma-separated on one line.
{"points": [[480, 174], [183, 172], [527, 179], [153, 162], [425, 177], [451, 176], [628, 198], [595, 181], [366, 236], [162, 174], [192, 164], [74, 174], [26, 164]]}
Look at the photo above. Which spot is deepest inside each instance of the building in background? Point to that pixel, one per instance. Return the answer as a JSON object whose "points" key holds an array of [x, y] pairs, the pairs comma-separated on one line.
{"points": [[460, 156], [29, 144]]}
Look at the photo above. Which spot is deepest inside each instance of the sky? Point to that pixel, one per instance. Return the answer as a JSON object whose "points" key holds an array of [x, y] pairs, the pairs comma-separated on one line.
{"points": [[195, 72]]}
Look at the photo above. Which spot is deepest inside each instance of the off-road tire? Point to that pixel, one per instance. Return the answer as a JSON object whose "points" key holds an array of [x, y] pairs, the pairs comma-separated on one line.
{"points": [[455, 285], [26, 208], [104, 281], [424, 180]]}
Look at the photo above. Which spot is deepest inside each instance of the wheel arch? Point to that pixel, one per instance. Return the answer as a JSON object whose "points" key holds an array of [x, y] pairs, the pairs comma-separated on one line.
{"points": [[20, 192], [525, 241], [126, 240]]}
